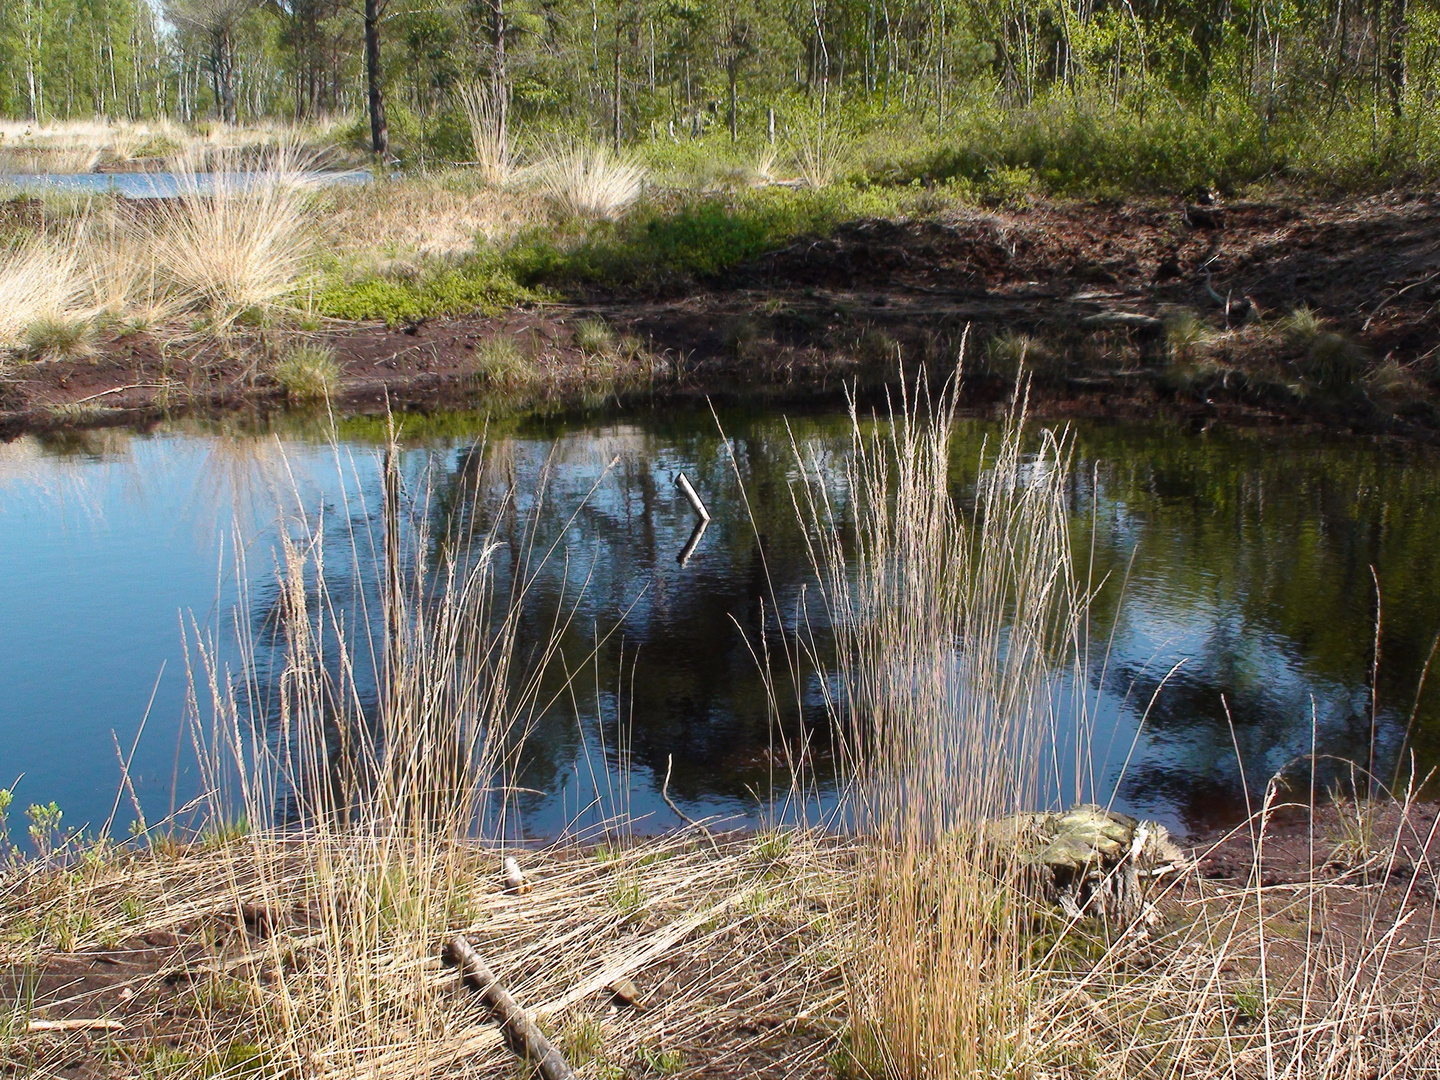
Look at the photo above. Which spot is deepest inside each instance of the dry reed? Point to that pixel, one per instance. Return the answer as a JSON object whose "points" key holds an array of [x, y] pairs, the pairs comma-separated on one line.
{"points": [[947, 633]]}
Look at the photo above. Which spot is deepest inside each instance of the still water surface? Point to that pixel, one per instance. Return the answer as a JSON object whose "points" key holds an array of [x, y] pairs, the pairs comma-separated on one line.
{"points": [[1246, 558], [167, 185]]}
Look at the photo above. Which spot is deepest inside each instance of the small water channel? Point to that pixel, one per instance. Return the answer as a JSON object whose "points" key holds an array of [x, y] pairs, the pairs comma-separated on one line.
{"points": [[1244, 557]]}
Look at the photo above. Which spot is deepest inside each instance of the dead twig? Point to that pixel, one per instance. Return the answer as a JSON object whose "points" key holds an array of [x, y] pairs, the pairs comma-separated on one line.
{"points": [[520, 1029]]}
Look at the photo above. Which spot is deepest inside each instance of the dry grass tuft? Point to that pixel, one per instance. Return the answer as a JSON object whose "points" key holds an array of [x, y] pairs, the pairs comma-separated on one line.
{"points": [[41, 284], [948, 634], [230, 246], [384, 225], [486, 110], [819, 151], [589, 181]]}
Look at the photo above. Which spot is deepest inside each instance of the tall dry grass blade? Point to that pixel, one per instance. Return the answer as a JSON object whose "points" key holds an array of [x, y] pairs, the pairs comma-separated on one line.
{"points": [[487, 112], [947, 635]]}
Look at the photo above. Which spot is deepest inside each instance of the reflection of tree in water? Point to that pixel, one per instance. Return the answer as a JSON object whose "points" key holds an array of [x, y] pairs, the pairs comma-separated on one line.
{"points": [[687, 685], [1253, 561], [1254, 555]]}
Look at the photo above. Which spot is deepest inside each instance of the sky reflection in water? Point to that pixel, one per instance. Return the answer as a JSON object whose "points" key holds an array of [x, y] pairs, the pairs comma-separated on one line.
{"points": [[1245, 558]]}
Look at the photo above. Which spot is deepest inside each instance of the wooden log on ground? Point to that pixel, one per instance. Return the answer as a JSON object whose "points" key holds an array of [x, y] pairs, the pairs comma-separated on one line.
{"points": [[519, 1029]]}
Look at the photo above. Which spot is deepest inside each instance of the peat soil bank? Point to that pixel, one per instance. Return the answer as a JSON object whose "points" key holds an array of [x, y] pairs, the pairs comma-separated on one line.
{"points": [[1277, 311]]}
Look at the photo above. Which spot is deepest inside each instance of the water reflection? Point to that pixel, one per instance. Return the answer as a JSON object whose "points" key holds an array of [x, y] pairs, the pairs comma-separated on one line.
{"points": [[1243, 558]]}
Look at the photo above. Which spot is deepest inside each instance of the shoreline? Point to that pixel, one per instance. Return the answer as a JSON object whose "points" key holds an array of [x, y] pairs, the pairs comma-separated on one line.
{"points": [[1106, 303], [734, 950]]}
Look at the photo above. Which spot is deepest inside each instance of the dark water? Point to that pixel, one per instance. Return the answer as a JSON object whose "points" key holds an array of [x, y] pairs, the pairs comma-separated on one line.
{"points": [[1247, 556]]}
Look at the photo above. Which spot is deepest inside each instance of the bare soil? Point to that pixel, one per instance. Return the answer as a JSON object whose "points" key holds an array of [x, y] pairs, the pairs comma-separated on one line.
{"points": [[827, 312]]}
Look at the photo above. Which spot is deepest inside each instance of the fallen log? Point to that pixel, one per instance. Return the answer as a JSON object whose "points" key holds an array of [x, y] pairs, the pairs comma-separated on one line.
{"points": [[520, 1031]]}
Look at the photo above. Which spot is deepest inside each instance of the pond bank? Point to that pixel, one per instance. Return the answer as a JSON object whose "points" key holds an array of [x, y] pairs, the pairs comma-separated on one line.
{"points": [[248, 955], [1112, 305]]}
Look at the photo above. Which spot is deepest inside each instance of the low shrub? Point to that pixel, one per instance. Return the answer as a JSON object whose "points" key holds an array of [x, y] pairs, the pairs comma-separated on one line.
{"points": [[697, 238], [472, 286]]}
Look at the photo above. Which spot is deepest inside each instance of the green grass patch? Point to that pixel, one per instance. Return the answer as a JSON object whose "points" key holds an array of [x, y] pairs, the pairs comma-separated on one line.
{"points": [[479, 285], [307, 373], [697, 238]]}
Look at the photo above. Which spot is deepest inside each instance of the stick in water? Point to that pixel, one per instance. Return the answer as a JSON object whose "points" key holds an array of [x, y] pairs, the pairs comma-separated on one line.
{"points": [[519, 1029], [683, 483]]}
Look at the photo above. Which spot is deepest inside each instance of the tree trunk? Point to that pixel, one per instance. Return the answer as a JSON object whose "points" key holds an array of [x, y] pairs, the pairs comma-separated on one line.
{"points": [[379, 130], [500, 77], [1395, 61], [225, 75], [734, 124], [615, 104]]}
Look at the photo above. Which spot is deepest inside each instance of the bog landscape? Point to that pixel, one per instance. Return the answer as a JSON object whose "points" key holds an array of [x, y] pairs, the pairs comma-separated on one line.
{"points": [[857, 539]]}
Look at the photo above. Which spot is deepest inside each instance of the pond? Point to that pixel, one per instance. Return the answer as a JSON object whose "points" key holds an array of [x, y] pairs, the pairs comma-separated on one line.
{"points": [[1244, 557], [165, 185]]}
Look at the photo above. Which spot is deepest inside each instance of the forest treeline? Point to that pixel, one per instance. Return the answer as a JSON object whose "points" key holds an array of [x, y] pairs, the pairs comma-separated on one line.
{"points": [[641, 69]]}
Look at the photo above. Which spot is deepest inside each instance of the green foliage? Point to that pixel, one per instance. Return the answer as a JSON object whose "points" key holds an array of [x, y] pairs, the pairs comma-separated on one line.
{"points": [[1249, 1003], [44, 828], [660, 1062], [476, 286], [696, 238], [7, 799]]}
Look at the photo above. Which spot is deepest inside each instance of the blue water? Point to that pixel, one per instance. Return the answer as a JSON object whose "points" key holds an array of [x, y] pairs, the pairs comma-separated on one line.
{"points": [[165, 185], [1238, 564]]}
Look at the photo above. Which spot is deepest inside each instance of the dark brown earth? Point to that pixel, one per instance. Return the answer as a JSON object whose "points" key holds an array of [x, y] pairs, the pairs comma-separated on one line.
{"points": [[824, 313]]}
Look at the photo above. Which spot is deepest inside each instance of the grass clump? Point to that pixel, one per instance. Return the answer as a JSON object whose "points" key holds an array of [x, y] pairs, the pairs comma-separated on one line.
{"points": [[40, 283], [232, 246], [1186, 335], [589, 181], [486, 111], [307, 373], [1302, 326], [594, 337], [500, 361], [60, 337], [947, 632]]}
